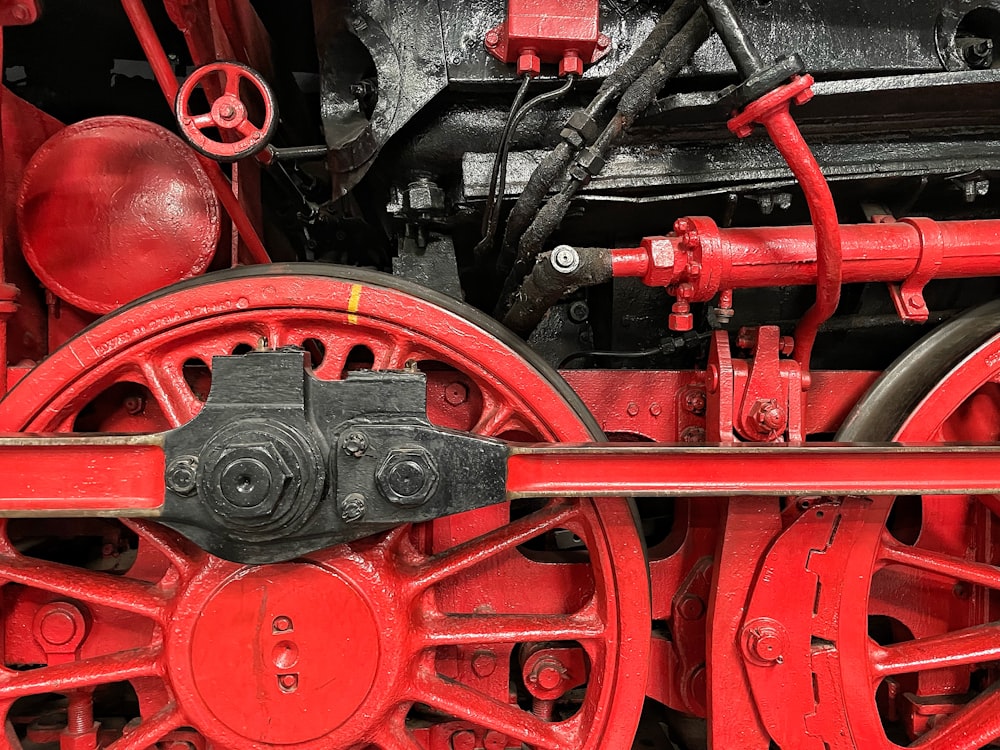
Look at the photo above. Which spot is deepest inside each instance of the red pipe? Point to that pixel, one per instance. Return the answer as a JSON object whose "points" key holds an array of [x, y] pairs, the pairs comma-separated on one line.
{"points": [[164, 73], [709, 260], [829, 252]]}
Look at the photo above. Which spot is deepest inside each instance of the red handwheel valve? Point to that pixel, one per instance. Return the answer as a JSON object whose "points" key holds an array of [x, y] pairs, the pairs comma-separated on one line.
{"points": [[230, 115]]}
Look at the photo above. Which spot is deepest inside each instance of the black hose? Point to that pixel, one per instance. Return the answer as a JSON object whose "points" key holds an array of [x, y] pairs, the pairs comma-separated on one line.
{"points": [[548, 283], [498, 184], [671, 22], [555, 164], [634, 101], [615, 355], [734, 36]]}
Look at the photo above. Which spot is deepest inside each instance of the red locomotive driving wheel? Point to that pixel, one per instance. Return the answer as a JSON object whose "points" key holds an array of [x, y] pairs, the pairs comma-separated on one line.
{"points": [[512, 625], [931, 647]]}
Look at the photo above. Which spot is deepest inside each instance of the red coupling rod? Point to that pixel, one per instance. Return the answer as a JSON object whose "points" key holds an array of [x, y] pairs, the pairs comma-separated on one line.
{"points": [[164, 73]]}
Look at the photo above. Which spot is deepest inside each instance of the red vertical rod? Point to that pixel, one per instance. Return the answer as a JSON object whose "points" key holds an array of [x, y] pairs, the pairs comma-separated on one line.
{"points": [[164, 73]]}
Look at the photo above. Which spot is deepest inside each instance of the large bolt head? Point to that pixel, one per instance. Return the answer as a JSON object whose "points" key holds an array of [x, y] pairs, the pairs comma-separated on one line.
{"points": [[251, 478], [407, 476]]}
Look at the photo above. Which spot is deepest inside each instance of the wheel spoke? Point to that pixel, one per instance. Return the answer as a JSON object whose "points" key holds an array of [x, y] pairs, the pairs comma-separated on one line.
{"points": [[496, 628], [150, 731], [182, 555], [394, 735], [466, 704], [246, 128], [970, 646], [99, 670], [393, 356], [102, 589], [494, 419], [491, 544], [974, 727], [934, 562], [172, 392]]}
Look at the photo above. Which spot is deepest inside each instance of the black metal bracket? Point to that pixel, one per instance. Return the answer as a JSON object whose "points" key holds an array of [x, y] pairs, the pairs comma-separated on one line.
{"points": [[279, 464]]}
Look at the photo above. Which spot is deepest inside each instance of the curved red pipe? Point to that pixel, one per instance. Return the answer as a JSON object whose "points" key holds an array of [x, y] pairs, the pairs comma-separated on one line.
{"points": [[788, 139]]}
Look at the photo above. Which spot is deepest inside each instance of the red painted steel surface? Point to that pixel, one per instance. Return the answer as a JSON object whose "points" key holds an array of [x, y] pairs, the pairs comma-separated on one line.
{"points": [[667, 471], [113, 208], [710, 259], [163, 71], [90, 476], [827, 623]]}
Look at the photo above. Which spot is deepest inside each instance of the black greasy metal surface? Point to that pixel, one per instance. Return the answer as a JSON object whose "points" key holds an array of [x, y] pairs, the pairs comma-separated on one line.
{"points": [[380, 67], [279, 464]]}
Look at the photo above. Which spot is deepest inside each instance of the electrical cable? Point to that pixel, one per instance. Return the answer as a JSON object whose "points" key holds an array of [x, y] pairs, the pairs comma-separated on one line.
{"points": [[636, 98], [555, 163], [498, 184], [522, 92], [612, 355]]}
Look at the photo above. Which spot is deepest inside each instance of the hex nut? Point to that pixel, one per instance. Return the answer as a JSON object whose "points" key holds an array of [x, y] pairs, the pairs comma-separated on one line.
{"points": [[424, 196], [407, 476], [353, 507], [182, 475], [251, 478]]}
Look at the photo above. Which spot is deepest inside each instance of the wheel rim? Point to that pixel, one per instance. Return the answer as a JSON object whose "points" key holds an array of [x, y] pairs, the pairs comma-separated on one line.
{"points": [[925, 579], [448, 615]]}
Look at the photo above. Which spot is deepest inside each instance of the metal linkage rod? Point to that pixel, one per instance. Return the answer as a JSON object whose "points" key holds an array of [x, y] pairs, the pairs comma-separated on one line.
{"points": [[79, 476], [775, 470], [125, 475]]}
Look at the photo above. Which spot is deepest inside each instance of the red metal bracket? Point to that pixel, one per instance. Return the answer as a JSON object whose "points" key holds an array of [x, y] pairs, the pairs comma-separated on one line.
{"points": [[908, 297], [566, 32]]}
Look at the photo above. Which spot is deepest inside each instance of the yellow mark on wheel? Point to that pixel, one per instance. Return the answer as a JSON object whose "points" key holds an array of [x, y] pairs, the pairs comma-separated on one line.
{"points": [[353, 303]]}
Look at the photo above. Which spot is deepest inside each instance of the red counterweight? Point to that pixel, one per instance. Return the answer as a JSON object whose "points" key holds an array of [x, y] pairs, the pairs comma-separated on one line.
{"points": [[544, 31], [701, 260]]}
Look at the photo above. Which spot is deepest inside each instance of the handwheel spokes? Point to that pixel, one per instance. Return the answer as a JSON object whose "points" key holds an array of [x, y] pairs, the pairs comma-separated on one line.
{"points": [[203, 121], [461, 701], [232, 85], [974, 645], [246, 128], [496, 542], [470, 630], [75, 675]]}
